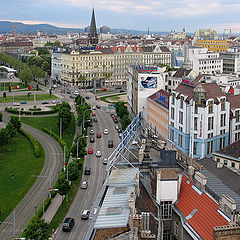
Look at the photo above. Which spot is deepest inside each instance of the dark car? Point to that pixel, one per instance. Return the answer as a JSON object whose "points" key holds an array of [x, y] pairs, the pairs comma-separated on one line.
{"points": [[92, 139], [119, 130], [68, 91], [68, 224], [115, 120], [98, 106], [87, 171], [87, 97], [118, 87], [121, 91], [45, 102], [95, 120], [110, 143]]}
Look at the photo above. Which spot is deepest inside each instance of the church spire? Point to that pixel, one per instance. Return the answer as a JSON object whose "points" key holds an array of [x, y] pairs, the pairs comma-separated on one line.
{"points": [[93, 37]]}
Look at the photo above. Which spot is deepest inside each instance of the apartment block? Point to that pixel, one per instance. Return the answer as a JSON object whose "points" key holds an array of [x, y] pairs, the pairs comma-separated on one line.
{"points": [[212, 45]]}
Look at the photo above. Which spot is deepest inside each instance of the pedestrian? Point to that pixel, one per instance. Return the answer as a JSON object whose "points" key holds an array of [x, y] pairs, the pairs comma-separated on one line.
{"points": [[13, 176]]}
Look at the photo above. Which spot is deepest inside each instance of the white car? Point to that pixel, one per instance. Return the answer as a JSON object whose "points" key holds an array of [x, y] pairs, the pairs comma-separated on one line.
{"points": [[75, 92], [93, 108], [105, 131], [16, 104], [91, 132], [116, 127], [98, 153], [105, 161]]}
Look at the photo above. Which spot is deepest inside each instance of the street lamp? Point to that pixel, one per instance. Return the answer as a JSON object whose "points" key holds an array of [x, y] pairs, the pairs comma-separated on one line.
{"points": [[84, 118], [78, 142]]}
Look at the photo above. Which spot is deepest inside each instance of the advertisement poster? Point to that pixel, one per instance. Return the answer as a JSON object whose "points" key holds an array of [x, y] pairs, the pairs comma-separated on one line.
{"points": [[147, 82]]}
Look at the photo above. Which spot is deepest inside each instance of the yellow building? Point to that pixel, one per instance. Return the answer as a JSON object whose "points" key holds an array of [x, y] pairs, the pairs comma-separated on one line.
{"points": [[212, 45]]}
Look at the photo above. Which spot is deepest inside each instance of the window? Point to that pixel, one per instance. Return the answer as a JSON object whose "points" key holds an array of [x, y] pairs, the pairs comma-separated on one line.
{"points": [[209, 147], [222, 131], [218, 159], [181, 102], [172, 113], [180, 140], [196, 109], [195, 135], [180, 117], [194, 148], [221, 145], [210, 135], [225, 162], [210, 107], [237, 113], [237, 136], [210, 123], [195, 123], [233, 165], [166, 210], [223, 104], [172, 135], [175, 228], [223, 120]]}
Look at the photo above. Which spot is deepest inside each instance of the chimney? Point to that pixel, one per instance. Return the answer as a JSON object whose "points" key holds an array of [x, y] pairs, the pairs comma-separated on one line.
{"points": [[131, 202], [144, 144], [201, 180], [141, 154], [137, 191], [228, 206], [190, 172]]}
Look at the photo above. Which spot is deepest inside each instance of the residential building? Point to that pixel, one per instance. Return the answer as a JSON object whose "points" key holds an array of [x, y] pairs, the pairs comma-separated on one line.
{"points": [[180, 35], [199, 118], [231, 61], [56, 65], [212, 45], [16, 47], [105, 29], [143, 81], [206, 34], [157, 113]]}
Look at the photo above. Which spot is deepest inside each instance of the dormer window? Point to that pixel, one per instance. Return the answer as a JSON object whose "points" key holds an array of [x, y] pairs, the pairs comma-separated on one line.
{"points": [[223, 101]]}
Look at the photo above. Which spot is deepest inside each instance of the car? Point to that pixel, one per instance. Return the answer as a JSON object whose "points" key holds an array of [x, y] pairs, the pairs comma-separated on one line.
{"points": [[55, 101], [23, 102], [54, 85], [84, 185], [68, 224], [115, 121], [75, 92], [134, 142], [103, 89], [62, 91], [119, 130], [93, 108], [92, 139], [95, 120], [98, 153], [105, 161], [116, 127], [90, 124], [93, 114], [16, 104], [99, 135], [45, 102], [68, 91], [91, 132], [110, 143], [120, 135], [90, 151], [87, 171], [87, 97], [98, 106], [114, 117], [105, 131], [121, 90], [85, 214]]}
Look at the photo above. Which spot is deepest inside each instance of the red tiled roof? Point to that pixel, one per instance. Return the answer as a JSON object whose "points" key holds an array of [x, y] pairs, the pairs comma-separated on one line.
{"points": [[206, 216], [122, 49]]}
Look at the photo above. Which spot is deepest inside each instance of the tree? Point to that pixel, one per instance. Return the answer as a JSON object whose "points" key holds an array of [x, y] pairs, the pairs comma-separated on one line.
{"points": [[16, 123], [37, 229], [12, 131], [9, 88], [43, 51], [62, 184], [73, 171], [64, 113], [0, 117], [4, 95], [26, 76], [4, 136], [125, 121], [82, 80]]}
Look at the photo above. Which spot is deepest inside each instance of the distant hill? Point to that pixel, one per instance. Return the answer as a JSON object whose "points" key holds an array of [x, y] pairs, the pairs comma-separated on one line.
{"points": [[50, 29]]}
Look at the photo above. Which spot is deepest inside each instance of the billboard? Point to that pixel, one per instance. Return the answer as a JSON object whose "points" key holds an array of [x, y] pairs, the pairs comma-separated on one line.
{"points": [[147, 82]]}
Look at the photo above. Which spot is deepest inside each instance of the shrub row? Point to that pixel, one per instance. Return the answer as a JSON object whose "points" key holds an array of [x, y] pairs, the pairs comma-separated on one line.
{"points": [[61, 142], [33, 112], [34, 142]]}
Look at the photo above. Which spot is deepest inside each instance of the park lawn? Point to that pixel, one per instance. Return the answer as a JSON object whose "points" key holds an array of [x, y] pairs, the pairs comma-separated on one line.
{"points": [[19, 98], [21, 86], [17, 157], [51, 123]]}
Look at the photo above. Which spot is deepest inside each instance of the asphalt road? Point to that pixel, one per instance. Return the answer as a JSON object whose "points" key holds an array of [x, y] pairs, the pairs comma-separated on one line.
{"points": [[34, 198], [86, 197]]}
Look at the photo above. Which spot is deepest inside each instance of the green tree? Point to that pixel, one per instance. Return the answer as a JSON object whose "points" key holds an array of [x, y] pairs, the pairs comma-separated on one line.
{"points": [[43, 51], [26, 76], [4, 136], [1, 117], [37, 229], [73, 171], [62, 184], [125, 121], [9, 88], [4, 95], [16, 123], [82, 80], [64, 113], [12, 131]]}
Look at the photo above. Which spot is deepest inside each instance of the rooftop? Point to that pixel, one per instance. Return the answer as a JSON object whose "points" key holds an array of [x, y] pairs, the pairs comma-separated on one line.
{"points": [[234, 101]]}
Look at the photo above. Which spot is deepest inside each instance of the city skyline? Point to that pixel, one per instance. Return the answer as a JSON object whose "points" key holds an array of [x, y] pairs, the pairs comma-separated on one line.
{"points": [[157, 16]]}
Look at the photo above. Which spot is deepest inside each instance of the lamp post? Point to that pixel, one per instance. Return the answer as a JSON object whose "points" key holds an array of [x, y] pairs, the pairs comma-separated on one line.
{"points": [[78, 142], [84, 118]]}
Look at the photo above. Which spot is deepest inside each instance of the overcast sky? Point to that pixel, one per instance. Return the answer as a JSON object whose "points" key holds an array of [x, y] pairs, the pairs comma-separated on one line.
{"points": [[158, 15]]}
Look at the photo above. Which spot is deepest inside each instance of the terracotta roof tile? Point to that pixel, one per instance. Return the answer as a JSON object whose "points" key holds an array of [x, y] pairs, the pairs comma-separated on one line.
{"points": [[206, 216]]}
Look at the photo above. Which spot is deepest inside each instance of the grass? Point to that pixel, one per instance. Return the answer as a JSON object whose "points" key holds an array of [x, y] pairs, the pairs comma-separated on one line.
{"points": [[51, 123], [114, 98], [21, 86], [17, 157], [18, 98]]}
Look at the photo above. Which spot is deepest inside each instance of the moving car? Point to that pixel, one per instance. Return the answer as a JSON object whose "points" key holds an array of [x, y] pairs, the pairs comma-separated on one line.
{"points": [[99, 135], [93, 108], [16, 104], [103, 89], [92, 139], [105, 131], [87, 171], [98, 106], [98, 153], [90, 151], [95, 120], [84, 185], [116, 127], [91, 132], [85, 214], [87, 97], [45, 102], [105, 161], [68, 224], [23, 102]]}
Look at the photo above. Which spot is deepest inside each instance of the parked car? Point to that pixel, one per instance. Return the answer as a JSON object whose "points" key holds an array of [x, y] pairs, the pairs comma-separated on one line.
{"points": [[105, 131], [118, 87], [92, 139], [99, 135], [87, 171], [121, 91], [85, 214], [115, 120], [91, 132], [75, 92], [55, 101], [110, 143], [90, 151], [68, 224], [95, 120], [120, 135], [93, 114], [45, 102], [105, 161], [103, 89], [68, 91], [62, 91], [87, 97], [98, 153], [93, 108], [84, 185], [98, 106], [116, 127]]}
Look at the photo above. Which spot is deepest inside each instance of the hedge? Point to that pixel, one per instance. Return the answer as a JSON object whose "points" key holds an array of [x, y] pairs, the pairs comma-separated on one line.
{"points": [[15, 111], [35, 144], [61, 142]]}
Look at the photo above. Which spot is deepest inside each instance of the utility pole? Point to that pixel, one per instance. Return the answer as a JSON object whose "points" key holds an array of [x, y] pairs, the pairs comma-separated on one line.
{"points": [[64, 158], [60, 128]]}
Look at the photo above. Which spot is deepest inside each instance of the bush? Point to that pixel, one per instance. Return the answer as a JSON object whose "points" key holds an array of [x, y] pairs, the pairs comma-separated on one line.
{"points": [[33, 111], [34, 142]]}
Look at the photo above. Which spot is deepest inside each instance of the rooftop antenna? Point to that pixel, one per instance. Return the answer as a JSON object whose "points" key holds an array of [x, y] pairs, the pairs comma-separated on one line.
{"points": [[148, 32]]}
